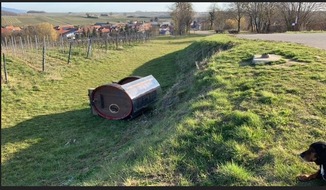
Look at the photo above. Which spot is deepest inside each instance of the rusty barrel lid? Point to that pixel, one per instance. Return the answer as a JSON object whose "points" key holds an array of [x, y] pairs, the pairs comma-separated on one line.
{"points": [[111, 102]]}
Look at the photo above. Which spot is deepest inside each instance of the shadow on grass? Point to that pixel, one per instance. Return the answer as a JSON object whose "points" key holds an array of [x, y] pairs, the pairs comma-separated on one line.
{"points": [[164, 69], [65, 147]]}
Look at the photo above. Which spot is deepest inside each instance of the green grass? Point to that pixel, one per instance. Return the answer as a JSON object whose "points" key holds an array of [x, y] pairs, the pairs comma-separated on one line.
{"points": [[56, 103], [229, 124]]}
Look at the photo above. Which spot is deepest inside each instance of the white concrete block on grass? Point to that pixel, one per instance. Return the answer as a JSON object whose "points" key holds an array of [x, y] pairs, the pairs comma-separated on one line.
{"points": [[260, 60]]}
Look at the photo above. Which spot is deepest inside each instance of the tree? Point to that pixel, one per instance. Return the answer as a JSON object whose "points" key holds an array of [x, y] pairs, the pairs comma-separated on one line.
{"points": [[318, 22], [212, 14], [260, 15], [220, 19], [238, 10], [42, 30], [297, 14], [182, 15]]}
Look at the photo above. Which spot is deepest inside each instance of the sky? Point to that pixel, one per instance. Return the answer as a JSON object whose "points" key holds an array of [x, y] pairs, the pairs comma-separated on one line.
{"points": [[100, 7]]}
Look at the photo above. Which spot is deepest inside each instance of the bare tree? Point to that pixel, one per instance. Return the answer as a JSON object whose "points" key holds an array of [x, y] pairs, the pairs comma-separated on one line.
{"points": [[251, 13], [260, 15], [318, 20], [269, 9], [182, 15], [238, 10], [213, 9], [297, 14], [41, 30], [220, 18]]}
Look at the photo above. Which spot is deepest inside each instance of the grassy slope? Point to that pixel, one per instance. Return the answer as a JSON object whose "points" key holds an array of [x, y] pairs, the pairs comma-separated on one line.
{"points": [[41, 113], [241, 125], [230, 124]]}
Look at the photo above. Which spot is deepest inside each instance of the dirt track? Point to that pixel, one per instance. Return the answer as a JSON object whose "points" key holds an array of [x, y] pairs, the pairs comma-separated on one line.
{"points": [[317, 40]]}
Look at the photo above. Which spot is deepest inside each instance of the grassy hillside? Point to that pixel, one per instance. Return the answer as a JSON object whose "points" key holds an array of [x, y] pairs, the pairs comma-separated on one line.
{"points": [[231, 123], [42, 113]]}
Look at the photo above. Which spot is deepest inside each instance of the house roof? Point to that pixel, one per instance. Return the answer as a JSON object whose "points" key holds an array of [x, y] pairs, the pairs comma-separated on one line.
{"points": [[96, 26], [145, 26], [5, 30], [63, 32], [86, 28], [13, 28], [105, 30], [67, 26]]}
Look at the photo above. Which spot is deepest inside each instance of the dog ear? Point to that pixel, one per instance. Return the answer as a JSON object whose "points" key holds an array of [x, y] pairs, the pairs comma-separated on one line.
{"points": [[322, 154], [320, 149]]}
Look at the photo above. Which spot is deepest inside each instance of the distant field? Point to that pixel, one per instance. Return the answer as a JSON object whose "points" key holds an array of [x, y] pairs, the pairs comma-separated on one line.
{"points": [[63, 18]]}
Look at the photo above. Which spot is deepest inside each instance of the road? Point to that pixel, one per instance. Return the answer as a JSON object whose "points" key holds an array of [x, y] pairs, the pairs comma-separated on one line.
{"points": [[317, 40]]}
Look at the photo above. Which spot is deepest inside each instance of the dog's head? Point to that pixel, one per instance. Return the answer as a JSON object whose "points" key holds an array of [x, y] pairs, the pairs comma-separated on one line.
{"points": [[316, 153]]}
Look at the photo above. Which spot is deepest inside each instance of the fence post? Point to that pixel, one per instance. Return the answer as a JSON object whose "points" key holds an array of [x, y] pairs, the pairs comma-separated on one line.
{"points": [[31, 42], [106, 45], [125, 39], [43, 60], [15, 43], [5, 68], [36, 42], [116, 41], [21, 44], [69, 56], [61, 40], [6, 43], [26, 42], [89, 47], [13, 46], [48, 41]]}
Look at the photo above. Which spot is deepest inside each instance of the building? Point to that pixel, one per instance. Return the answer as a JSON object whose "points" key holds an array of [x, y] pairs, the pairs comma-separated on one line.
{"points": [[10, 28], [66, 31], [69, 34]]}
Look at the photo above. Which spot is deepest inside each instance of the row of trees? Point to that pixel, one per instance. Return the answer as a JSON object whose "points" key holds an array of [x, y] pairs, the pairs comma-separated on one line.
{"points": [[260, 17], [264, 17]]}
